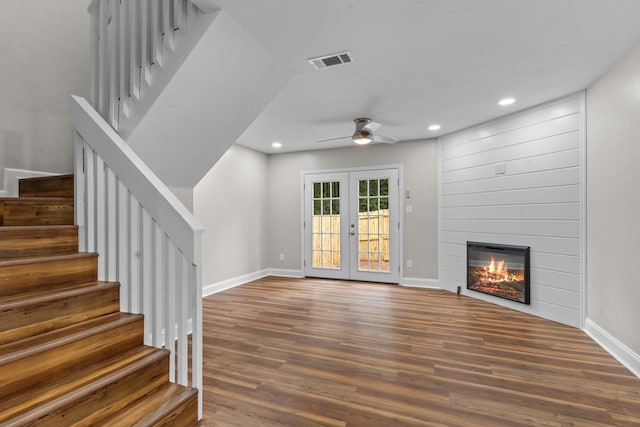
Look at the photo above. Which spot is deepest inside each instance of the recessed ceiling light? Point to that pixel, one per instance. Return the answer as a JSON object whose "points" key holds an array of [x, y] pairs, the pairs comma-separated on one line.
{"points": [[276, 145], [506, 101], [434, 127]]}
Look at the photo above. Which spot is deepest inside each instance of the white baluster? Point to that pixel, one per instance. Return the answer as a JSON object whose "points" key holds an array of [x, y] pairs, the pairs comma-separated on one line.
{"points": [[113, 58], [134, 242], [79, 190], [158, 284], [100, 212], [145, 43], [147, 272], [167, 25], [125, 56], [183, 322], [179, 15], [170, 309], [124, 254], [103, 53], [196, 327], [111, 255], [156, 33], [135, 51], [91, 197], [192, 11], [94, 79]]}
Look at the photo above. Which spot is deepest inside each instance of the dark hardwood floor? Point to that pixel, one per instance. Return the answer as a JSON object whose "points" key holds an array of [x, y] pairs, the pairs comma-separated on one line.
{"points": [[304, 352]]}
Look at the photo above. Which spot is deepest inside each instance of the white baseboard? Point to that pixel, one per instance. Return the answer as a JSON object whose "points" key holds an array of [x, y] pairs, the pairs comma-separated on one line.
{"points": [[246, 278], [621, 352], [223, 285], [416, 282], [233, 282], [11, 177], [282, 272]]}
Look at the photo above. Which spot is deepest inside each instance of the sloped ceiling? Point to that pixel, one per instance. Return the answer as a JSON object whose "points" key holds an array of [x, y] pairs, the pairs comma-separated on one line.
{"points": [[218, 91]]}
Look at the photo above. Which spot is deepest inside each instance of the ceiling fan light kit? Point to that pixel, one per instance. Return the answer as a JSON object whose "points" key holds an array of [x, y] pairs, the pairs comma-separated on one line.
{"points": [[364, 135]]}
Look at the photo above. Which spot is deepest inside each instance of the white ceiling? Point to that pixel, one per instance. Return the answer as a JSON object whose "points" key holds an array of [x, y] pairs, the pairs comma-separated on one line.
{"points": [[419, 62]]}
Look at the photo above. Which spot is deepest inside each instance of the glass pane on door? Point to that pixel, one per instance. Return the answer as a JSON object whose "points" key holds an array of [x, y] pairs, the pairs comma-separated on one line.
{"points": [[373, 225], [325, 219]]}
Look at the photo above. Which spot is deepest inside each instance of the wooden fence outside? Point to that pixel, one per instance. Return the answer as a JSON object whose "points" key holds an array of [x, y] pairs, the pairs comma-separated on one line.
{"points": [[373, 238]]}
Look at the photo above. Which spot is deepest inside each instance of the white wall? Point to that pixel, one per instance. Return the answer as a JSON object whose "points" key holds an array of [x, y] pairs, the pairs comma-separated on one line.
{"points": [[231, 203], [419, 160], [613, 202], [537, 202], [250, 204], [44, 47]]}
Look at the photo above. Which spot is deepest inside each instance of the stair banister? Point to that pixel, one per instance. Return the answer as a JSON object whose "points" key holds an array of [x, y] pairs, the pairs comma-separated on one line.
{"points": [[146, 239]]}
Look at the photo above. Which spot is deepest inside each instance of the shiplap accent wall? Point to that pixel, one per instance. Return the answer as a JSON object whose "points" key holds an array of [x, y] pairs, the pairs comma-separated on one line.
{"points": [[537, 202]]}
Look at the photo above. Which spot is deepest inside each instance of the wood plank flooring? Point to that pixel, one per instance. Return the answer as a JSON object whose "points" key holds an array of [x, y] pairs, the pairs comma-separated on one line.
{"points": [[310, 352]]}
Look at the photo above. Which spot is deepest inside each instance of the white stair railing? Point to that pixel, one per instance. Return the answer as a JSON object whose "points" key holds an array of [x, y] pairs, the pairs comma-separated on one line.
{"points": [[147, 240], [131, 42]]}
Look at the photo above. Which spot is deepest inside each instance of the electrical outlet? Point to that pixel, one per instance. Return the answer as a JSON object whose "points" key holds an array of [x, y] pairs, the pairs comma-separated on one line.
{"points": [[409, 263], [281, 257]]}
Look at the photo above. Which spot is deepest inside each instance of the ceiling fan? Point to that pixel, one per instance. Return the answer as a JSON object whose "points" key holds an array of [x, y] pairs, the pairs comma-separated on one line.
{"points": [[364, 133]]}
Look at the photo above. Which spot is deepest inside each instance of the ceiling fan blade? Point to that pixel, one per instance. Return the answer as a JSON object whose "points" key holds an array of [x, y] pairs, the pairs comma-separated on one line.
{"points": [[336, 139], [384, 139], [371, 126]]}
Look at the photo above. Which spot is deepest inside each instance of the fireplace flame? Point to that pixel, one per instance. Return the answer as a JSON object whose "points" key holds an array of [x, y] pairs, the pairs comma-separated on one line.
{"points": [[497, 271]]}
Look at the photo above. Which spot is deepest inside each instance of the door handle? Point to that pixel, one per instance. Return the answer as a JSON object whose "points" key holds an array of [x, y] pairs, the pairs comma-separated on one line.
{"points": [[353, 233]]}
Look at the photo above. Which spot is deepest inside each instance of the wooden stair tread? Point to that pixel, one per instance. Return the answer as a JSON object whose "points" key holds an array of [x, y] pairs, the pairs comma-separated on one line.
{"points": [[24, 228], [26, 347], [157, 409], [46, 177], [20, 300], [35, 199], [107, 368], [52, 258], [42, 312], [27, 294]]}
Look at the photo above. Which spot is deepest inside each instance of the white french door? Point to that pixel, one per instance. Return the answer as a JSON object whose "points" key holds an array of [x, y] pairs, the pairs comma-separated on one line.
{"points": [[351, 227], [374, 226]]}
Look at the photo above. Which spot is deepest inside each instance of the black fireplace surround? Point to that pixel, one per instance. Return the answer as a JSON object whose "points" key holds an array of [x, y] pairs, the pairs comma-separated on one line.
{"points": [[499, 270]]}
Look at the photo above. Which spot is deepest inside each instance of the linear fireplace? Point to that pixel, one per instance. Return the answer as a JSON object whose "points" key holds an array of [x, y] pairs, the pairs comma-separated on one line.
{"points": [[499, 270]]}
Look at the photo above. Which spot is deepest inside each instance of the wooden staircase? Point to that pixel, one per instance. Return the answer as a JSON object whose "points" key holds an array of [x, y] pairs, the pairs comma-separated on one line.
{"points": [[68, 356]]}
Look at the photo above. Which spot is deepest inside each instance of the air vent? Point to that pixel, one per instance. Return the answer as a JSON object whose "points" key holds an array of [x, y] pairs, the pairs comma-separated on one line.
{"points": [[330, 60]]}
